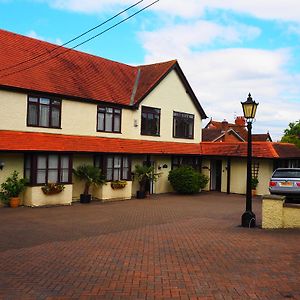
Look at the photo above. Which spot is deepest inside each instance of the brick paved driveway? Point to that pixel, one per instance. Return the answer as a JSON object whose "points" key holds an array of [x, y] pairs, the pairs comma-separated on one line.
{"points": [[166, 247]]}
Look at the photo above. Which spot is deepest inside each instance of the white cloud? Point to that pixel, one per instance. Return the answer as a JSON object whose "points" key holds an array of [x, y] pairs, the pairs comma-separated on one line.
{"points": [[89, 6], [288, 10], [34, 35], [175, 39], [223, 78]]}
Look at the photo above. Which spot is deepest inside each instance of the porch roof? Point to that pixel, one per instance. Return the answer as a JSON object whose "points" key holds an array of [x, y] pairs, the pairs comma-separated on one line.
{"points": [[259, 149], [33, 141], [22, 141]]}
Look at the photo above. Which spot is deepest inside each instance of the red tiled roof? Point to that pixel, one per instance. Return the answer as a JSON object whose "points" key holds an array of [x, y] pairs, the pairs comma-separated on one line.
{"points": [[240, 130], [74, 74], [210, 134], [32, 141], [259, 149], [261, 137]]}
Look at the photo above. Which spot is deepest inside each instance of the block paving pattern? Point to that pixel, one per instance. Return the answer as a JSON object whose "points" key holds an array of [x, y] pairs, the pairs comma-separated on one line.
{"points": [[163, 247]]}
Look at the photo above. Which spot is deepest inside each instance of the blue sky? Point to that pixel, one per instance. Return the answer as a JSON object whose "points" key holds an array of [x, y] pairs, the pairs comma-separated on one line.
{"points": [[226, 48]]}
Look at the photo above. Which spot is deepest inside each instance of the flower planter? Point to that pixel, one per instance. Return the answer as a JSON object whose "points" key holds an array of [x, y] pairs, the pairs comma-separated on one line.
{"points": [[14, 202]]}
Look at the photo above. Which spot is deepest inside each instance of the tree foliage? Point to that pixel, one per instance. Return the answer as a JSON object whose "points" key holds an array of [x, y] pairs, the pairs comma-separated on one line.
{"points": [[292, 134]]}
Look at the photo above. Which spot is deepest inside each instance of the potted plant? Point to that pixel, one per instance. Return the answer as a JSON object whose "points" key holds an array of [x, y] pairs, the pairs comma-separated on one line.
{"points": [[12, 188], [144, 174], [91, 176], [254, 183]]}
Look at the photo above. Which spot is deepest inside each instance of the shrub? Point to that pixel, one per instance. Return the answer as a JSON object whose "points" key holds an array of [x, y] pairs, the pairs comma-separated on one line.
{"points": [[185, 180], [12, 187]]}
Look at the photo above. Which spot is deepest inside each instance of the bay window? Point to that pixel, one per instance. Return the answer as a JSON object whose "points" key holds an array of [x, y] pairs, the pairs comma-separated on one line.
{"points": [[114, 167], [48, 168]]}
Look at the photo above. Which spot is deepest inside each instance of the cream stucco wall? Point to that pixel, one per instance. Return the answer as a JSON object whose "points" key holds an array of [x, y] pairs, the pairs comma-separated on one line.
{"points": [[34, 196], [162, 185], [107, 193], [80, 118], [13, 162], [277, 214], [78, 186], [206, 171], [238, 176]]}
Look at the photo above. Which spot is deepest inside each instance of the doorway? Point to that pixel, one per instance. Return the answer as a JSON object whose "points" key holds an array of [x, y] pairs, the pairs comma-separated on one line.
{"points": [[215, 175]]}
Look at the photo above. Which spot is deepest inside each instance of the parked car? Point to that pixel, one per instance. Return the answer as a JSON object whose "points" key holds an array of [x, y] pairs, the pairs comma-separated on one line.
{"points": [[286, 181]]}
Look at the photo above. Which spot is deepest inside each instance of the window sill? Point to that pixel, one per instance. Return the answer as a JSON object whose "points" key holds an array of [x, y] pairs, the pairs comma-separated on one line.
{"points": [[36, 126], [147, 134]]}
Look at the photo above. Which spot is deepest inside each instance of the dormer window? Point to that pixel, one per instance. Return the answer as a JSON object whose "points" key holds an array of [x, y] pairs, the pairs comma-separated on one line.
{"points": [[183, 125], [150, 121], [43, 112]]}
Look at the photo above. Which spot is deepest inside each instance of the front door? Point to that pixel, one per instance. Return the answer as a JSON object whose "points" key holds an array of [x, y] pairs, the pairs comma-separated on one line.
{"points": [[215, 175]]}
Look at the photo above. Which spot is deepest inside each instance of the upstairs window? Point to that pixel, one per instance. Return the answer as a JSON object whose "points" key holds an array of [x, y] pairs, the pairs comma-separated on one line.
{"points": [[48, 168], [43, 112], [183, 125], [150, 121], [109, 119], [115, 167]]}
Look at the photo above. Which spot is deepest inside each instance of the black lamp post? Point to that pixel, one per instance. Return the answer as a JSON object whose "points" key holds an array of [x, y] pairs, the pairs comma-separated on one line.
{"points": [[249, 109]]}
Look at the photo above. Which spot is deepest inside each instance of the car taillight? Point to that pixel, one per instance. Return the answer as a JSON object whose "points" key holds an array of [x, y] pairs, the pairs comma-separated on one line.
{"points": [[298, 184], [272, 183]]}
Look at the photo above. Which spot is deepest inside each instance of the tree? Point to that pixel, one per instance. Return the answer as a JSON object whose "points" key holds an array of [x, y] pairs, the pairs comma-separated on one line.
{"points": [[292, 134]]}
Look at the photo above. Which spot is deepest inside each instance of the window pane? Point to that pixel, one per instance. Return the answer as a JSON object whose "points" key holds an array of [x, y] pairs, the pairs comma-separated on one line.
{"points": [[108, 122], [53, 162], [109, 174], [53, 176], [117, 174], [100, 121], [27, 174], [33, 99], [55, 102], [125, 162], [44, 115], [41, 176], [55, 117], [64, 162], [64, 175], [41, 162], [125, 173], [32, 114], [117, 162], [109, 162], [45, 101], [117, 124]]}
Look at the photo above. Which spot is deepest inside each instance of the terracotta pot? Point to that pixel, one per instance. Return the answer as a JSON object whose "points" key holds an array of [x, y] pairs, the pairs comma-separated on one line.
{"points": [[253, 193], [14, 202]]}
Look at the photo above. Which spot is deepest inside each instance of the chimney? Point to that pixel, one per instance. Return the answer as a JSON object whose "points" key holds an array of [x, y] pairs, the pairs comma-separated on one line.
{"points": [[224, 125], [240, 121]]}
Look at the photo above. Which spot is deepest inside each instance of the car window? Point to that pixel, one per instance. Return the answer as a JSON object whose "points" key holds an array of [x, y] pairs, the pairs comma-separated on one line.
{"points": [[286, 174]]}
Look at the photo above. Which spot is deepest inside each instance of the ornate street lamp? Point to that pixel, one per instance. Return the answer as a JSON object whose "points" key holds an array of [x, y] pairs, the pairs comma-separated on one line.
{"points": [[249, 109]]}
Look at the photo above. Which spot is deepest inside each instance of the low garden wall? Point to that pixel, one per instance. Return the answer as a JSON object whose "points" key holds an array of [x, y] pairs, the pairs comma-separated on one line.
{"points": [[278, 214]]}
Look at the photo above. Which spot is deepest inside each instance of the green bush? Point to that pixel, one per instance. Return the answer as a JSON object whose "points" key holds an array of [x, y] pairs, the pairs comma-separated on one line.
{"points": [[185, 180]]}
